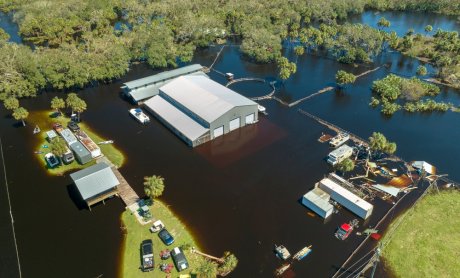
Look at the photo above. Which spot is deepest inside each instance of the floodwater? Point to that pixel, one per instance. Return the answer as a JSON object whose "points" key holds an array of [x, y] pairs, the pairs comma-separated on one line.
{"points": [[239, 193]]}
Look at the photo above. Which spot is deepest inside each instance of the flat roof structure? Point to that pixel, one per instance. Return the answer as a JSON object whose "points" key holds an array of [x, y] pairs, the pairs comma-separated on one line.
{"points": [[341, 151], [346, 198], [318, 201], [148, 87], [51, 134], [81, 153], [96, 183], [198, 109], [68, 136]]}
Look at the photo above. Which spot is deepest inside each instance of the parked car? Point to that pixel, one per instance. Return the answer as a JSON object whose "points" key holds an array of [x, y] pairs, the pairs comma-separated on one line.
{"points": [[51, 160], [157, 226], [166, 237], [148, 262], [179, 259], [73, 126], [68, 157]]}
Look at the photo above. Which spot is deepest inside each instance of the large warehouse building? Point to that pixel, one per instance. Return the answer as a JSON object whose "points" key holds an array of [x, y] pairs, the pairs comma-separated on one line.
{"points": [[198, 109]]}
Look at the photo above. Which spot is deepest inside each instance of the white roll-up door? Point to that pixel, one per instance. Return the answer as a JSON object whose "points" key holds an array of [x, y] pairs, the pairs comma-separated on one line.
{"points": [[250, 118], [218, 131], [234, 124]]}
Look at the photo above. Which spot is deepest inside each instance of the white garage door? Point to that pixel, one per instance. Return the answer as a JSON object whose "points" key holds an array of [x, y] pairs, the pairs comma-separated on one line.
{"points": [[218, 131], [250, 118], [234, 124]]}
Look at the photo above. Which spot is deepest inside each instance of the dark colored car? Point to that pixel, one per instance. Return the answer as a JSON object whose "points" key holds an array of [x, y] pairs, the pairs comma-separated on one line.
{"points": [[73, 126], [179, 259], [147, 255], [166, 237]]}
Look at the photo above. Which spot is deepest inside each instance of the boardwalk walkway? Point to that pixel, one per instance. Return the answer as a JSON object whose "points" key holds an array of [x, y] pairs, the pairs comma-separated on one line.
{"points": [[245, 79], [127, 193], [335, 128]]}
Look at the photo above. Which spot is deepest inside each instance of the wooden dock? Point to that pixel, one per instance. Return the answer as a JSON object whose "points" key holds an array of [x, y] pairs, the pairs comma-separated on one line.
{"points": [[126, 192]]}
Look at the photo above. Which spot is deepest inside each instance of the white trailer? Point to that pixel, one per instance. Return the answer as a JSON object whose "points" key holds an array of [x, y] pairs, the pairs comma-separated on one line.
{"points": [[318, 201], [339, 154], [346, 198]]}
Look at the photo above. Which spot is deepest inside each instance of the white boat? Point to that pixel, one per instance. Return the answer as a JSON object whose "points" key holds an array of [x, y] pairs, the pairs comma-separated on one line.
{"points": [[302, 253], [262, 109], [139, 115], [105, 142], [339, 139], [282, 252]]}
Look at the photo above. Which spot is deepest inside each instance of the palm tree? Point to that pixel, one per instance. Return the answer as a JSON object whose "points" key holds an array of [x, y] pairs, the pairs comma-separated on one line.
{"points": [[58, 146], [207, 269], [154, 186], [79, 106], [21, 113], [57, 104]]}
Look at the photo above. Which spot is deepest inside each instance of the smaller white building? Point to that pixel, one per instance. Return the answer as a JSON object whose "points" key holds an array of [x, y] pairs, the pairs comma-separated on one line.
{"points": [[340, 154], [318, 201]]}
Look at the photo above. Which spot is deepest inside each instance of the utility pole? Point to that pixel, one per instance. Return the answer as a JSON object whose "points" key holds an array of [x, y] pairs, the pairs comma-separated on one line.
{"points": [[376, 261]]}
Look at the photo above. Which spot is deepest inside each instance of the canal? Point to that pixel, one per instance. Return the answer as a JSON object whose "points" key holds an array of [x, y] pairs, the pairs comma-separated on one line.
{"points": [[240, 193]]}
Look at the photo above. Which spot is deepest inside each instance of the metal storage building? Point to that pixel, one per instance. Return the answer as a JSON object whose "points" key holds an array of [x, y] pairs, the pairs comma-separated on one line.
{"points": [[318, 201], [147, 87], [198, 109], [346, 198], [82, 155], [96, 183]]}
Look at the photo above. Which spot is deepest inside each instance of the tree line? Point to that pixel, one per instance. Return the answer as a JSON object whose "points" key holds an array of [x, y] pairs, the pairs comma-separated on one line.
{"points": [[71, 44]]}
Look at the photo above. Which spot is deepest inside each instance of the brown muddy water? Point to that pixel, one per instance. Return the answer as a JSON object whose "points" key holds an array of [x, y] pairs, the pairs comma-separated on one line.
{"points": [[240, 193]]}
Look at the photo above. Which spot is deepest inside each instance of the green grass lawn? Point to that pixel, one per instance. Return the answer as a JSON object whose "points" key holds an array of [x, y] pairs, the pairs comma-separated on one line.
{"points": [[136, 233], [427, 243], [45, 120]]}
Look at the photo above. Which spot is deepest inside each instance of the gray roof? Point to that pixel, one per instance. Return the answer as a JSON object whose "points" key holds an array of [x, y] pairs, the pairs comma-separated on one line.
{"points": [[153, 90], [162, 76], [68, 136], [319, 198], [204, 97], [178, 119], [79, 149], [94, 180]]}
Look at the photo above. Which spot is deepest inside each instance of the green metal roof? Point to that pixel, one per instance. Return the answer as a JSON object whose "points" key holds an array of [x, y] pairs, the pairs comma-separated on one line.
{"points": [[94, 180]]}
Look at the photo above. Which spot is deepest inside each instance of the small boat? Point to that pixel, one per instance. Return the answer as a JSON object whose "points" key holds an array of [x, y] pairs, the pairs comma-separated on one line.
{"points": [[280, 270], [139, 115], [302, 253], [282, 252], [38, 152], [339, 139], [262, 109], [105, 142], [36, 129]]}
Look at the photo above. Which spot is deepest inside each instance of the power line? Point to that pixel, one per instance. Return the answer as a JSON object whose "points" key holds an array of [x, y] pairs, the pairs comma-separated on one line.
{"points": [[11, 212]]}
